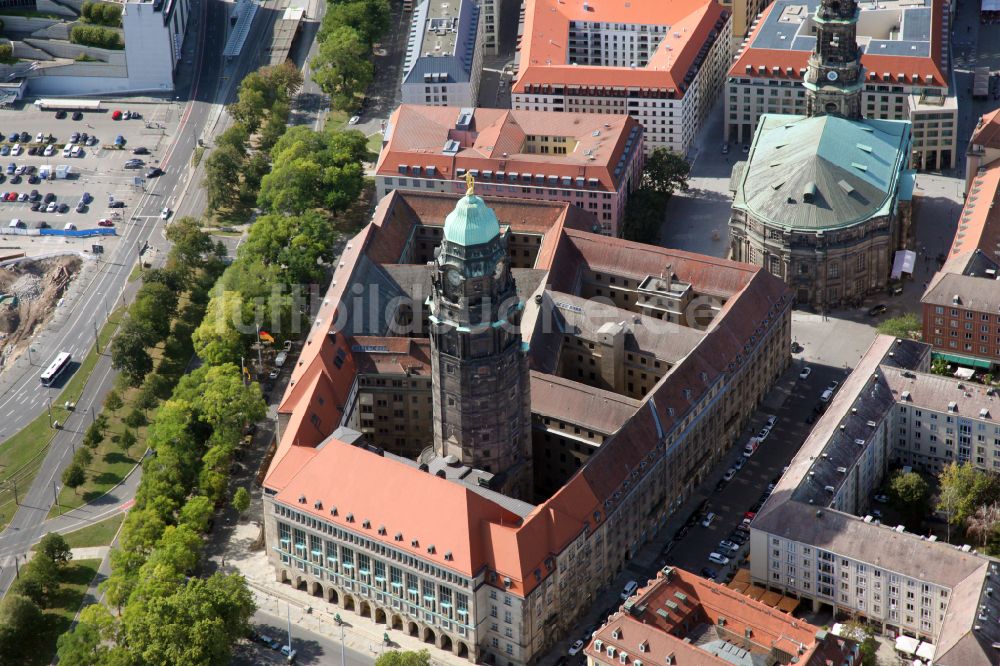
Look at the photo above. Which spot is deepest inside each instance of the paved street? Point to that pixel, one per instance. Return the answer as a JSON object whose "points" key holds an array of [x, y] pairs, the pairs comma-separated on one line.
{"points": [[310, 647]]}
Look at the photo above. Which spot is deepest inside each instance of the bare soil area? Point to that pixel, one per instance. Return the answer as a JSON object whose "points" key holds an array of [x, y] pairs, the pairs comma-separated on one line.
{"points": [[29, 292]]}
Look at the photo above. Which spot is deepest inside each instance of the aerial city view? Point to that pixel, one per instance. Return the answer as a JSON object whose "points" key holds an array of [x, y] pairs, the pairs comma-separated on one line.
{"points": [[504, 332]]}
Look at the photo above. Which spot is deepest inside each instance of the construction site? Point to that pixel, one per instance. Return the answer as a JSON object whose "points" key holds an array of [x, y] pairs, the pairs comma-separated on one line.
{"points": [[30, 291]]}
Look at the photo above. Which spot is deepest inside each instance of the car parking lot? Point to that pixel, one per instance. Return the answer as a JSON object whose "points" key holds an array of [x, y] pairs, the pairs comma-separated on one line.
{"points": [[735, 502], [64, 173]]}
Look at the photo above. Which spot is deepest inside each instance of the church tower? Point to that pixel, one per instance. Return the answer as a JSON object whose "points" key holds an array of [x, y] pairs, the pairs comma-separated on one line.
{"points": [[835, 77], [482, 409]]}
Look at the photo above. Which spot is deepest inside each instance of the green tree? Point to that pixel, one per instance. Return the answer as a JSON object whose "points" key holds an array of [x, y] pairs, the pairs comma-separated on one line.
{"points": [[342, 67], [190, 242], [910, 495], [370, 18], [6, 51], [983, 523], [135, 419], [74, 476], [963, 489], [903, 326], [127, 440], [665, 171], [129, 355], [93, 436], [939, 366], [38, 580], [83, 457], [81, 647], [241, 500], [196, 624], [222, 177], [404, 658], [113, 402], [865, 636], [54, 547], [21, 620], [197, 513], [643, 216]]}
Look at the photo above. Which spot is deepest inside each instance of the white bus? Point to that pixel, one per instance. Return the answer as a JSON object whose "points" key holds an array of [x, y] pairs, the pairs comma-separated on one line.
{"points": [[56, 368]]}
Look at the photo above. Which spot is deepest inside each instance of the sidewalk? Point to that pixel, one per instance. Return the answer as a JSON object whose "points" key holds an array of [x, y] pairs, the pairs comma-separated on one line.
{"points": [[361, 634]]}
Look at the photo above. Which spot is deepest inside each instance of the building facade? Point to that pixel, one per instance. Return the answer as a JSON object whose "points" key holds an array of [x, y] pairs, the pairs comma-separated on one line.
{"points": [[962, 300], [823, 199], [907, 74], [619, 60], [703, 341], [818, 537], [593, 162], [444, 54]]}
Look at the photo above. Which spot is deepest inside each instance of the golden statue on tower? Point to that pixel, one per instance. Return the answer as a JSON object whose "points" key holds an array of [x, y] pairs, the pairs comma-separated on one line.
{"points": [[470, 185]]}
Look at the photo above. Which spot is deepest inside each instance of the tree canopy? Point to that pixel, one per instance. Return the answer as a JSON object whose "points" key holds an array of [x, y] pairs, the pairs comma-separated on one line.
{"points": [[342, 67], [665, 171], [404, 658]]}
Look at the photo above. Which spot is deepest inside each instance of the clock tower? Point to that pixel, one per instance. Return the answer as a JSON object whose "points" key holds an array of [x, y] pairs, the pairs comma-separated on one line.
{"points": [[834, 77], [482, 409]]}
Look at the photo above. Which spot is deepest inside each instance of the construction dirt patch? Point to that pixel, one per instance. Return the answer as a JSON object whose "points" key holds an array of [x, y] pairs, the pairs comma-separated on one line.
{"points": [[29, 292]]}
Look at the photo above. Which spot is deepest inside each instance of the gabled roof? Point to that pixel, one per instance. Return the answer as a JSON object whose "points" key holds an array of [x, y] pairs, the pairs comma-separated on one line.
{"points": [[987, 132], [822, 172]]}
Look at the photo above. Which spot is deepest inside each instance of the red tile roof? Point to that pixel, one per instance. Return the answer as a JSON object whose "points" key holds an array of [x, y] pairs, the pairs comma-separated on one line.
{"points": [[544, 51], [987, 132], [496, 141], [677, 603], [979, 223], [878, 68], [486, 534]]}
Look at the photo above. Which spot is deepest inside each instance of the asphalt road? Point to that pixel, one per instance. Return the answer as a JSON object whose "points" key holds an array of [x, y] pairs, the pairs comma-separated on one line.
{"points": [[310, 647], [28, 398]]}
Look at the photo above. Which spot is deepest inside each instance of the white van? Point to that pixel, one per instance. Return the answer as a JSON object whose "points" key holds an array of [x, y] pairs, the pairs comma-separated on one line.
{"points": [[708, 520], [16, 223], [629, 589], [67, 150]]}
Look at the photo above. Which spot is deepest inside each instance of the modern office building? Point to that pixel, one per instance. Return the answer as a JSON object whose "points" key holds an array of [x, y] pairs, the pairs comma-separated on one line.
{"points": [[680, 619], [961, 304], [663, 63], [588, 160], [444, 54], [822, 200], [581, 387], [906, 75], [816, 538]]}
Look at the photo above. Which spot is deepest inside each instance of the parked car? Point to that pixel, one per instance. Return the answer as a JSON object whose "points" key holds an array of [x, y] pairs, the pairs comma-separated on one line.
{"points": [[49, 197], [771, 420], [737, 537], [154, 172], [116, 204], [23, 196], [716, 558], [729, 546], [709, 519], [629, 589], [751, 447], [5, 150], [77, 151], [763, 433], [826, 395], [354, 120], [51, 208], [806, 371], [876, 310], [86, 198], [738, 465], [730, 473], [40, 137], [165, 213], [575, 648], [63, 208], [33, 150], [74, 137], [25, 137], [721, 484], [116, 115], [35, 207], [881, 499], [708, 572], [15, 150], [81, 207], [77, 115], [15, 179], [60, 115], [833, 386], [50, 150], [140, 150], [105, 222]]}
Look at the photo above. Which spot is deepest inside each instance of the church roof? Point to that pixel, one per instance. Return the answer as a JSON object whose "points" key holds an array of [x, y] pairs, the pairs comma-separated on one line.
{"points": [[471, 223], [822, 172]]}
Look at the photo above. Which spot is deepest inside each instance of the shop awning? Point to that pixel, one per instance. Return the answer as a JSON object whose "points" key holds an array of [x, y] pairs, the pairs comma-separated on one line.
{"points": [[903, 263], [970, 361], [991, 6], [926, 651], [907, 644], [964, 373]]}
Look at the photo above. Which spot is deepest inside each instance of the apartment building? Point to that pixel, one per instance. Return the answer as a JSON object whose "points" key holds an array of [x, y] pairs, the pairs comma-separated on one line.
{"points": [[907, 74], [444, 54], [680, 619], [816, 537], [448, 555], [663, 63], [961, 304], [593, 162]]}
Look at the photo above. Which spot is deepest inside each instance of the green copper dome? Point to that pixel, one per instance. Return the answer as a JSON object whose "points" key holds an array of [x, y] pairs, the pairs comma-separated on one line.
{"points": [[471, 223]]}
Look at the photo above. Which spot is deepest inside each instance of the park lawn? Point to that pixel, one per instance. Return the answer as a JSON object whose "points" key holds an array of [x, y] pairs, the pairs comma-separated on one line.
{"points": [[99, 534], [76, 578], [374, 146], [22, 455]]}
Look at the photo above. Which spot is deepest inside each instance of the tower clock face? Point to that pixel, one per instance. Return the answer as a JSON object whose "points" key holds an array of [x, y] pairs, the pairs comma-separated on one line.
{"points": [[498, 271], [454, 277], [831, 75]]}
